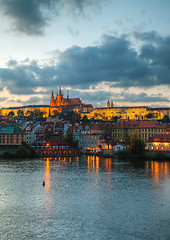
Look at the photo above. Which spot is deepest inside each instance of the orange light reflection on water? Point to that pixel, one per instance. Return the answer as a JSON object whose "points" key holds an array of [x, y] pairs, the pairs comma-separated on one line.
{"points": [[77, 159], [47, 187], [97, 164], [47, 174], [158, 170], [91, 163], [108, 165]]}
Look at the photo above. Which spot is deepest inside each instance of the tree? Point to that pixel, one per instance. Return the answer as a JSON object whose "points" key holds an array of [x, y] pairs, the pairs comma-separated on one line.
{"points": [[56, 113], [20, 113], [95, 115], [137, 145], [85, 119], [71, 116], [29, 113], [149, 115], [26, 150], [38, 113], [115, 119], [165, 119], [70, 139], [11, 114]]}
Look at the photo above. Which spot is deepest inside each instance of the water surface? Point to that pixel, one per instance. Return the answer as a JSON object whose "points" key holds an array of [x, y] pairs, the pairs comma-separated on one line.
{"points": [[84, 198]]}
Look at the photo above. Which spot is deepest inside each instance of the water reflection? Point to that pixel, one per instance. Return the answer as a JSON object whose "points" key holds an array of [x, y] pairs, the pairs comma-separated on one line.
{"points": [[47, 175], [157, 171], [97, 165], [47, 188], [92, 163], [77, 159], [108, 165], [84, 198]]}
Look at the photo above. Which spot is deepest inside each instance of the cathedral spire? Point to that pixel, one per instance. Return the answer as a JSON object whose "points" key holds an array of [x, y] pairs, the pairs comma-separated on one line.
{"points": [[52, 100], [67, 95], [108, 104], [60, 91]]}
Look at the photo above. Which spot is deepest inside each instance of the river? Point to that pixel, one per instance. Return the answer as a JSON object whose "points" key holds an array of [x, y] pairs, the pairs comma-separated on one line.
{"points": [[84, 198]]}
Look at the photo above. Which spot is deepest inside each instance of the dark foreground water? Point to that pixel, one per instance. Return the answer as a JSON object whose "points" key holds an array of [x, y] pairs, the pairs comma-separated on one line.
{"points": [[84, 198]]}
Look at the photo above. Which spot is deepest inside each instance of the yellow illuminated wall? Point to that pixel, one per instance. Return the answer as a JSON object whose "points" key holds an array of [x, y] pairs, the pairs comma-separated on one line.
{"points": [[6, 111], [124, 113], [100, 113], [161, 146]]}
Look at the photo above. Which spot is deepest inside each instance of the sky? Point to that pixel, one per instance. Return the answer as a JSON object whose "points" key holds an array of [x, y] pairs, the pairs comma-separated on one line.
{"points": [[97, 50]]}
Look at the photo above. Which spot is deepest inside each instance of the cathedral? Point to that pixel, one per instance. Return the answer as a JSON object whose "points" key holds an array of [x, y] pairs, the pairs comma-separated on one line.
{"points": [[61, 101]]}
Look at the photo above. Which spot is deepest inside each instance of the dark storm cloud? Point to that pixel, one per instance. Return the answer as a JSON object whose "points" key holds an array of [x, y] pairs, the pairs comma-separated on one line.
{"points": [[24, 78], [142, 97], [114, 62], [32, 16], [35, 101], [91, 96], [96, 97], [157, 56], [100, 96]]}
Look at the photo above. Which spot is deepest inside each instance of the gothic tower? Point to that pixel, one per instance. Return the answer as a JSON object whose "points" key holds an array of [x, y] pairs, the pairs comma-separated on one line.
{"points": [[59, 98], [52, 102], [108, 104]]}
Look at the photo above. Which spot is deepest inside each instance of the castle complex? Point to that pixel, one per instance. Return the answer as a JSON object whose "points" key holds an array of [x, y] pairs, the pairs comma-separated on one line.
{"points": [[63, 105], [61, 101], [59, 104]]}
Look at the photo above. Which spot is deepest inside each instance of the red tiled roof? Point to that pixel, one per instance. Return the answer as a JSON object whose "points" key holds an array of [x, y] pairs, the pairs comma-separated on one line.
{"points": [[53, 142], [160, 138], [139, 124]]}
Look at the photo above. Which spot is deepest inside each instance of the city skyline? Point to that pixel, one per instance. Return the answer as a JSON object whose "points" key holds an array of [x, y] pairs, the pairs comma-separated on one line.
{"points": [[96, 50]]}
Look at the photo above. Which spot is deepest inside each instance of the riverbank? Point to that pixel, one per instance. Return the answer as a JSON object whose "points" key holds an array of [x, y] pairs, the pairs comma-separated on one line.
{"points": [[148, 155], [27, 151]]}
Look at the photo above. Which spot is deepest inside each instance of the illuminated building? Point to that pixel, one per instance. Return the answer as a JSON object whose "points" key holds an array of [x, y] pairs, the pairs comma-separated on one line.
{"points": [[130, 113], [61, 104], [146, 129], [30, 131], [11, 136], [61, 101], [25, 109], [159, 142]]}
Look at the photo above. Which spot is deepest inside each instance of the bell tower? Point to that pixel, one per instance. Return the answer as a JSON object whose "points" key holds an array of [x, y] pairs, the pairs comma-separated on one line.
{"points": [[108, 104], [52, 102]]}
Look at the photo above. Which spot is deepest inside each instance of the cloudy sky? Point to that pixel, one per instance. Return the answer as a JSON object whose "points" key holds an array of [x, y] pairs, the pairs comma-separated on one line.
{"points": [[95, 49]]}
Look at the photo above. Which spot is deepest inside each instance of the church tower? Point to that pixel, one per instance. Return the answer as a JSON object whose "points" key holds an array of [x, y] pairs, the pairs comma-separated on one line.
{"points": [[108, 104], [59, 98], [60, 91], [52, 102], [111, 104]]}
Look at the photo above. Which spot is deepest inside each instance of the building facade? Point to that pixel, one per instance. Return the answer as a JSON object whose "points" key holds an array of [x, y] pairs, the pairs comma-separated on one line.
{"points": [[12, 135], [61, 101], [126, 113], [159, 142], [145, 129]]}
